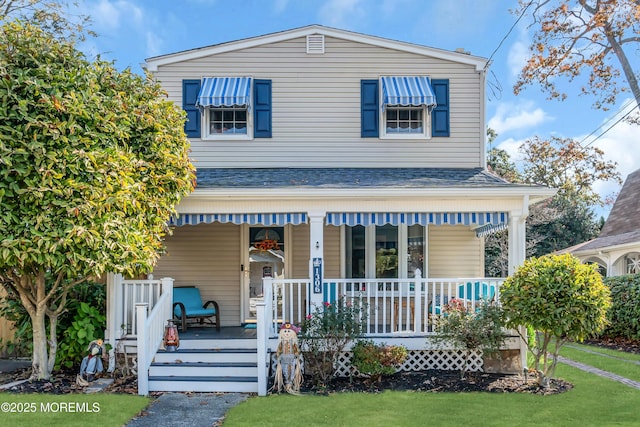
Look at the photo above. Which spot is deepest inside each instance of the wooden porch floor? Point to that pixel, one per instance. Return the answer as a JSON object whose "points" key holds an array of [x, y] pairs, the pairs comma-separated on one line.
{"points": [[209, 332]]}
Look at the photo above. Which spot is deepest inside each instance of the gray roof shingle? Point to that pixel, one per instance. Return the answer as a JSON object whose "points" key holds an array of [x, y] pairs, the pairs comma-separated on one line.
{"points": [[212, 178]]}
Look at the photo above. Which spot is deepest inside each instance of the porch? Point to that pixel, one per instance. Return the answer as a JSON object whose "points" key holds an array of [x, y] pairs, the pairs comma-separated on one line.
{"points": [[399, 311]]}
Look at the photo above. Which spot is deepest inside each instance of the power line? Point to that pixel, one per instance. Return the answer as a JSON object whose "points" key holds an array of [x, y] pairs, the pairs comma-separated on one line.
{"points": [[508, 34], [621, 118]]}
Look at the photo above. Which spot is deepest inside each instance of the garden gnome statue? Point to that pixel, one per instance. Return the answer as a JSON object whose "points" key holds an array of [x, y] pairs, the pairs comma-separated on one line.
{"points": [[288, 361], [92, 363]]}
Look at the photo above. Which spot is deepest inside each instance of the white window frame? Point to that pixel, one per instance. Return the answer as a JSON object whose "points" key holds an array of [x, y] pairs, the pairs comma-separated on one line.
{"points": [[426, 124], [206, 118]]}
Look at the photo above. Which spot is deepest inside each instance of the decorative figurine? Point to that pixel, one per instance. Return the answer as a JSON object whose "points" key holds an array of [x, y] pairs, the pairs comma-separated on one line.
{"points": [[91, 364], [288, 375]]}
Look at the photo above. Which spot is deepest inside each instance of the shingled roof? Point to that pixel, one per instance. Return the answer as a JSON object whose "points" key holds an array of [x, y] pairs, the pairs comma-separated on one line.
{"points": [[623, 224], [211, 178]]}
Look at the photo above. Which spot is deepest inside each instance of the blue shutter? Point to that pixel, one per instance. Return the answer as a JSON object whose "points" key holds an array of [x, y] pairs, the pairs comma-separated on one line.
{"points": [[440, 114], [369, 109], [190, 91], [262, 109]]}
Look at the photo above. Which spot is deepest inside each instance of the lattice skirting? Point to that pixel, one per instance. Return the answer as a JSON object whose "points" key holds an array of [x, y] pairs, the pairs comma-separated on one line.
{"points": [[417, 360]]}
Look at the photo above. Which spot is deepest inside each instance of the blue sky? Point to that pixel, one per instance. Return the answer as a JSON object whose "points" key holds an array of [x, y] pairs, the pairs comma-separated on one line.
{"points": [[132, 30]]}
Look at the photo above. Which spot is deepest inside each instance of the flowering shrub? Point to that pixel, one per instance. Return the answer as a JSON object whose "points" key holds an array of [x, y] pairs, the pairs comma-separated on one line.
{"points": [[325, 334], [377, 360], [471, 330]]}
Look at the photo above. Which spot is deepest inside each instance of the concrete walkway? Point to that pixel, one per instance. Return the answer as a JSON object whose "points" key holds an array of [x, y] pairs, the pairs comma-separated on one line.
{"points": [[600, 372], [188, 410]]}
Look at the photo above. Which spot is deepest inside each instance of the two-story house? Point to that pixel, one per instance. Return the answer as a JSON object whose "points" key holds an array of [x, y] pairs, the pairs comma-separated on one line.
{"points": [[335, 163]]}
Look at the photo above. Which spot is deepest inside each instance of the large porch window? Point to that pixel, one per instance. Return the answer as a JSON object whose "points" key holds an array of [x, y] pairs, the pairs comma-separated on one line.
{"points": [[384, 251]]}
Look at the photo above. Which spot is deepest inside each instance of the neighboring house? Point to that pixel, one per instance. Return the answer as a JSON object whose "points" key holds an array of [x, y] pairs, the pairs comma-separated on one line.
{"points": [[617, 249], [328, 163]]}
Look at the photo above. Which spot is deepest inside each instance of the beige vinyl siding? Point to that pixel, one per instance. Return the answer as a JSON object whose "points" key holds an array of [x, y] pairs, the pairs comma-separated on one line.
{"points": [[454, 251], [316, 107], [300, 251], [206, 256], [332, 255]]}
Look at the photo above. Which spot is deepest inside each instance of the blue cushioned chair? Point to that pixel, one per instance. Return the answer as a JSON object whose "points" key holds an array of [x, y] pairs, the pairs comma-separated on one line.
{"points": [[487, 292], [187, 304]]}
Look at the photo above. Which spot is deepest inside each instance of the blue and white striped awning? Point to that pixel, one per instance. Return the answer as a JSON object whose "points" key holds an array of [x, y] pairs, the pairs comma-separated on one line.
{"points": [[225, 92], [407, 91], [266, 219], [487, 229], [418, 218]]}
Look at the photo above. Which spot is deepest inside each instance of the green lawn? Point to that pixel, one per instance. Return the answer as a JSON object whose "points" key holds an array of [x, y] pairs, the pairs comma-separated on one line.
{"points": [[69, 410], [594, 401], [623, 364]]}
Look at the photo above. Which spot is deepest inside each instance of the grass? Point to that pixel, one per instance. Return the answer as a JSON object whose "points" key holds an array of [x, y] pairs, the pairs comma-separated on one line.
{"points": [[69, 410], [594, 401], [623, 364]]}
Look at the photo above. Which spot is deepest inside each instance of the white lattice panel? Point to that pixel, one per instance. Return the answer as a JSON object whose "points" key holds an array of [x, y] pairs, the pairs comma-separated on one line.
{"points": [[420, 360], [417, 360]]}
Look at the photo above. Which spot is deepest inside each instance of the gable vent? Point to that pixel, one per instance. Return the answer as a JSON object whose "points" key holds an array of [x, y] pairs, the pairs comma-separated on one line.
{"points": [[315, 43]]}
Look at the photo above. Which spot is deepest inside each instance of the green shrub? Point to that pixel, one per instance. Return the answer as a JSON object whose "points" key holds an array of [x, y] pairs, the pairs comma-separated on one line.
{"points": [[325, 334], [376, 360], [562, 299], [624, 314], [91, 318], [477, 330]]}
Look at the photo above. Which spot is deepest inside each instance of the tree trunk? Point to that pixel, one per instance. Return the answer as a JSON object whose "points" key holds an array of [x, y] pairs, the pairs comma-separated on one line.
{"points": [[40, 362], [53, 340]]}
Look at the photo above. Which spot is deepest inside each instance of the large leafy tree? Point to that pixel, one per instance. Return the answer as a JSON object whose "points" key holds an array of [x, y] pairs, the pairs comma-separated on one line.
{"points": [[594, 38], [564, 220], [92, 163]]}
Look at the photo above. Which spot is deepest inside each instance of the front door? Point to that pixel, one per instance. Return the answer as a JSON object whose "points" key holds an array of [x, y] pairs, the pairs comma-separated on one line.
{"points": [[266, 248]]}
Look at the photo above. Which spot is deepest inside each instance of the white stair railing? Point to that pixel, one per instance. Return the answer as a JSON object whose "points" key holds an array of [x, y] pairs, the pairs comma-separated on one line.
{"points": [[151, 331]]}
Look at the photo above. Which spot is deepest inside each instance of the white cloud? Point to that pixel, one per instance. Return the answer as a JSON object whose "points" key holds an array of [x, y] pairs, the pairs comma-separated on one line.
{"points": [[280, 5], [108, 16], [511, 146], [509, 117], [621, 145], [342, 13]]}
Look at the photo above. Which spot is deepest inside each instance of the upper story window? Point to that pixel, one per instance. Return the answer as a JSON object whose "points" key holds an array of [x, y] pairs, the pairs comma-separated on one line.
{"points": [[226, 102], [406, 102], [227, 121], [405, 121], [407, 107], [227, 108]]}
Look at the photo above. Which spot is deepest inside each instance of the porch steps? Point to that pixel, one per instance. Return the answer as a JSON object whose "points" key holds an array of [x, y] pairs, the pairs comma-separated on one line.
{"points": [[207, 365]]}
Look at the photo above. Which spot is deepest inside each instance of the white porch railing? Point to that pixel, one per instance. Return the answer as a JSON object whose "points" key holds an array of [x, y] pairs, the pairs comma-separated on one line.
{"points": [[394, 305], [150, 330], [127, 294]]}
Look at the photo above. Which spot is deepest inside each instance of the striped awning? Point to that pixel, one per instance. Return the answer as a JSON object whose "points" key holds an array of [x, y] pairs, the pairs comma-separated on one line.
{"points": [[408, 91], [487, 229], [419, 218], [225, 92], [251, 219]]}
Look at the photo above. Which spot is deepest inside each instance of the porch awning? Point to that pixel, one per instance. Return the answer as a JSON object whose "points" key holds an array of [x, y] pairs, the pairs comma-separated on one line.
{"points": [[225, 92], [493, 219], [487, 229], [266, 219], [405, 91]]}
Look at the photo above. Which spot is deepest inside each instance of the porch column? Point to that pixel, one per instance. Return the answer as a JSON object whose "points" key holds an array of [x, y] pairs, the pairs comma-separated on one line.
{"points": [[517, 236], [316, 258], [517, 256], [517, 242]]}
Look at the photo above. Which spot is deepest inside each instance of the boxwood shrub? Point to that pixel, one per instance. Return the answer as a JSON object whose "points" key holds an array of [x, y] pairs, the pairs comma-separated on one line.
{"points": [[624, 313]]}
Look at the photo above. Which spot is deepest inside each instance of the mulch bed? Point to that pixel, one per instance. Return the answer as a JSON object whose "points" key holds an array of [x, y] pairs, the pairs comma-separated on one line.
{"points": [[434, 380], [63, 382]]}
